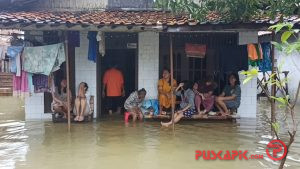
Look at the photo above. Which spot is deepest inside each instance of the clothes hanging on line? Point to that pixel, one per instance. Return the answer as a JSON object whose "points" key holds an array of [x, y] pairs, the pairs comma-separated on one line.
{"points": [[14, 54], [255, 54], [266, 64], [20, 85], [93, 46], [101, 39], [40, 83], [44, 59], [3, 51], [30, 84]]}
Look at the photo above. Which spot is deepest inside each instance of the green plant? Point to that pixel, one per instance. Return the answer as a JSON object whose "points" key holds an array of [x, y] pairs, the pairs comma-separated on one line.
{"points": [[284, 101]]}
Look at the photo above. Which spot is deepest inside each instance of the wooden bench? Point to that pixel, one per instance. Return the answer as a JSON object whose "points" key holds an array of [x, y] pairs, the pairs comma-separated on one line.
{"points": [[59, 119]]}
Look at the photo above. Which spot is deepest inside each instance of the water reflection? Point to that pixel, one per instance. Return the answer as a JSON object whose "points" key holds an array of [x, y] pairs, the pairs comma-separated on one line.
{"points": [[110, 144]]}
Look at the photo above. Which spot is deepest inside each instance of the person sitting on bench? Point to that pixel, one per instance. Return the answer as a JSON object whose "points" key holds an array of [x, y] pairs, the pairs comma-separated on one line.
{"points": [[230, 98], [204, 96], [189, 99], [81, 108], [59, 95]]}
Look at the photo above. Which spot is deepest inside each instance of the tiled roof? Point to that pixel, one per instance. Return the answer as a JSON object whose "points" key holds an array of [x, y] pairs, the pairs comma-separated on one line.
{"points": [[109, 18], [97, 18]]}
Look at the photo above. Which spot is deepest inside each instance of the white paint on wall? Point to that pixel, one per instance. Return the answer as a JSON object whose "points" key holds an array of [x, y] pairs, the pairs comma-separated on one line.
{"points": [[290, 63], [148, 61], [248, 107]]}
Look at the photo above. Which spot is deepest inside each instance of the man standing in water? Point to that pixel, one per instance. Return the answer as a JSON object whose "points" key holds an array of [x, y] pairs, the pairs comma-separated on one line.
{"points": [[113, 89]]}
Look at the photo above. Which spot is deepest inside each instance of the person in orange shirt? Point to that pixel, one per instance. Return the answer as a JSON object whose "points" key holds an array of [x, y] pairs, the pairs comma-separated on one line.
{"points": [[165, 92], [113, 89]]}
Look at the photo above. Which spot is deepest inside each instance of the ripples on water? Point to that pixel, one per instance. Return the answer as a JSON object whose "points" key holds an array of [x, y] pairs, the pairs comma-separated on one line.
{"points": [[109, 144]]}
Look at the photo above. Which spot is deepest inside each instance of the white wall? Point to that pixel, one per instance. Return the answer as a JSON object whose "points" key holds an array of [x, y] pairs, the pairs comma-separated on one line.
{"points": [[34, 107], [148, 61], [248, 107], [290, 63], [85, 70]]}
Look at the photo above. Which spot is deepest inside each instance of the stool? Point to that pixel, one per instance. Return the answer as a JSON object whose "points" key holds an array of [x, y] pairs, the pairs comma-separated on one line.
{"points": [[126, 116]]}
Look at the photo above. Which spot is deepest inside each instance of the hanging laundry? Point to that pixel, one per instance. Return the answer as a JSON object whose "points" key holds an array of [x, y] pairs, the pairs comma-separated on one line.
{"points": [[3, 50], [41, 83], [30, 84], [93, 46], [101, 40], [44, 59], [255, 54], [266, 65], [20, 85], [14, 52]]}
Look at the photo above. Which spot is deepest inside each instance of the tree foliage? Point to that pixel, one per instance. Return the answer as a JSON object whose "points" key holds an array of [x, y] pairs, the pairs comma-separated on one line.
{"points": [[231, 10]]}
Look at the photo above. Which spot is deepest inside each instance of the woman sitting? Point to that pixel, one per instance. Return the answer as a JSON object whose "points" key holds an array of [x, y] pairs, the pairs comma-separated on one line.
{"points": [[82, 107], [230, 98], [188, 101], [165, 92], [60, 99], [134, 102], [204, 96]]}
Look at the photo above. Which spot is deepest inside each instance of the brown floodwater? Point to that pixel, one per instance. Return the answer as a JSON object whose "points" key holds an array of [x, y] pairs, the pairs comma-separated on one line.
{"points": [[110, 144]]}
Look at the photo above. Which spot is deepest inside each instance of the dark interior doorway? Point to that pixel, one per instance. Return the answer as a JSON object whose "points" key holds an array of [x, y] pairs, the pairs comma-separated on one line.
{"points": [[126, 60]]}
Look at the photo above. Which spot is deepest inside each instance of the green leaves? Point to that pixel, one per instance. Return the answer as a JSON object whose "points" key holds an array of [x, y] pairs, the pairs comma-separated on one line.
{"points": [[284, 101], [250, 74], [278, 46], [285, 36], [280, 26], [276, 126]]}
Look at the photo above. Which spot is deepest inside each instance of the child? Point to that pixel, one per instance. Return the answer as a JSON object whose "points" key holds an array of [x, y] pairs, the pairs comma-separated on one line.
{"points": [[188, 99]]}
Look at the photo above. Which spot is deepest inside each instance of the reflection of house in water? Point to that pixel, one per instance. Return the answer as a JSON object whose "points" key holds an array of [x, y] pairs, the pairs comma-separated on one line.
{"points": [[136, 37]]}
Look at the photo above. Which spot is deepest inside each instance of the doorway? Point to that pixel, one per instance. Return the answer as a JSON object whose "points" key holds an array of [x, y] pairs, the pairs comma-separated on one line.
{"points": [[126, 61]]}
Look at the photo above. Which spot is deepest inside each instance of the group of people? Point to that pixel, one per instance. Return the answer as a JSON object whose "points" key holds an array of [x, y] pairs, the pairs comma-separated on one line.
{"points": [[80, 108], [196, 99]]}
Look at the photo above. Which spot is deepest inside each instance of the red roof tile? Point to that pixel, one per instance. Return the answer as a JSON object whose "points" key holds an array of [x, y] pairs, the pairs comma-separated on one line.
{"points": [[97, 17], [118, 18]]}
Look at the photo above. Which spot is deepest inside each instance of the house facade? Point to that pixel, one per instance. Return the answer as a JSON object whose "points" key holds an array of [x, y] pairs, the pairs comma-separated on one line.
{"points": [[141, 36]]}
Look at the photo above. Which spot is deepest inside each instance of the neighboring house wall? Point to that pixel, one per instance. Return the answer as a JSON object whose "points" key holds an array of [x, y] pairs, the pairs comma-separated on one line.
{"points": [[148, 61], [130, 3], [290, 63], [93, 4]]}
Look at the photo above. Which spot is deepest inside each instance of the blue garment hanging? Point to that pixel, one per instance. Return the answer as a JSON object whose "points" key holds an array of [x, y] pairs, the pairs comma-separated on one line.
{"points": [[12, 53], [266, 65], [93, 46]]}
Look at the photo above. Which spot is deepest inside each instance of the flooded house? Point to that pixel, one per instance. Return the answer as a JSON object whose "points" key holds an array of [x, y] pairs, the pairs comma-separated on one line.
{"points": [[137, 37]]}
